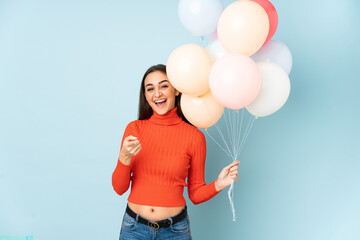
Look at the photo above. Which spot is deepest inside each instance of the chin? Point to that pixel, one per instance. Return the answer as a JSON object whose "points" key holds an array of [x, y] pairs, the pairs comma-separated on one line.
{"points": [[162, 111]]}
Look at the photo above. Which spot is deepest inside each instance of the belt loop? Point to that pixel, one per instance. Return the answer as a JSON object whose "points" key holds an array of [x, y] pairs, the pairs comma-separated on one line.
{"points": [[171, 220], [137, 217]]}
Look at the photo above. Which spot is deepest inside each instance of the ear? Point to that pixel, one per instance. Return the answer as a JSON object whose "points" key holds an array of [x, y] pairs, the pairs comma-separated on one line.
{"points": [[177, 93]]}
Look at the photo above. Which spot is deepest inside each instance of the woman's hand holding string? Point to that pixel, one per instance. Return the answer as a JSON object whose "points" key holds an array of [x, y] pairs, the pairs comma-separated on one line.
{"points": [[226, 176]]}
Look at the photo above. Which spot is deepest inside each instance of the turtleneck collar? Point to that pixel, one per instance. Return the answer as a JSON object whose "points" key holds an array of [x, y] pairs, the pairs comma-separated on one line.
{"points": [[167, 119]]}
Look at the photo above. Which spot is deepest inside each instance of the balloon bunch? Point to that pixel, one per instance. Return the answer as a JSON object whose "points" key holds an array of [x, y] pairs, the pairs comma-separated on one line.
{"points": [[240, 68]]}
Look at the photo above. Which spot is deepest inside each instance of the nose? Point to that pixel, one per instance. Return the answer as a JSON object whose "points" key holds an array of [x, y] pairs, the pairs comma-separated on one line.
{"points": [[158, 92]]}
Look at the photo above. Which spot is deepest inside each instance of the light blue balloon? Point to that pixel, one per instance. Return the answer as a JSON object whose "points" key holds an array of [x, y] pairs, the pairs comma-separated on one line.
{"points": [[200, 17], [277, 52]]}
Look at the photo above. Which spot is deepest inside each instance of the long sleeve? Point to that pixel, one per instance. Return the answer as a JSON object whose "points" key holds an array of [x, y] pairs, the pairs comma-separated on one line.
{"points": [[198, 190], [122, 173], [172, 156]]}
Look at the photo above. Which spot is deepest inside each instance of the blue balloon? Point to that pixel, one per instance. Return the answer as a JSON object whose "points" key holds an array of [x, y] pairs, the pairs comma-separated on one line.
{"points": [[200, 17], [277, 52]]}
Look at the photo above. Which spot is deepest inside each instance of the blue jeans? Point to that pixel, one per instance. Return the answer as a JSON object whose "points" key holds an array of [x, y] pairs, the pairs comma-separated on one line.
{"points": [[131, 229]]}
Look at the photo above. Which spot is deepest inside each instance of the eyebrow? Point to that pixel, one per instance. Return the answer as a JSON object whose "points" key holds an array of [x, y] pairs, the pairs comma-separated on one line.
{"points": [[150, 84]]}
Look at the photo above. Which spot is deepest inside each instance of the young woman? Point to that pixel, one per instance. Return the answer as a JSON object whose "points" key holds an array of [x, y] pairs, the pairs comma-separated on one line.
{"points": [[158, 152]]}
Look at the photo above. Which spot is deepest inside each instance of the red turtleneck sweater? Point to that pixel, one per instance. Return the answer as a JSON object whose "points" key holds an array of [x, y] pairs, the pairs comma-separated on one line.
{"points": [[171, 151]]}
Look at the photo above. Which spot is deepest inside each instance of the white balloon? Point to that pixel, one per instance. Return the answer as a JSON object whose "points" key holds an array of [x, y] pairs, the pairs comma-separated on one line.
{"points": [[277, 52], [216, 50], [274, 91], [200, 17]]}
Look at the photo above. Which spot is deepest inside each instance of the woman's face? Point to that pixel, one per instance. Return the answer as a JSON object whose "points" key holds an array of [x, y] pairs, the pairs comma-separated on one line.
{"points": [[159, 93]]}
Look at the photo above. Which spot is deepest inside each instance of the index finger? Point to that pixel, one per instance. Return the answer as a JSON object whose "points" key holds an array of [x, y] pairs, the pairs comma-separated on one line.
{"points": [[234, 163], [237, 162]]}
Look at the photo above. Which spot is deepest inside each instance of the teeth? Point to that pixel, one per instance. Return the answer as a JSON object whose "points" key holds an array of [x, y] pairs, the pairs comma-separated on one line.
{"points": [[160, 101]]}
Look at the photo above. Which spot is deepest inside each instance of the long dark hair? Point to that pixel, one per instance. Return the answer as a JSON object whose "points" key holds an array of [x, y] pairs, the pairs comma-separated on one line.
{"points": [[145, 111]]}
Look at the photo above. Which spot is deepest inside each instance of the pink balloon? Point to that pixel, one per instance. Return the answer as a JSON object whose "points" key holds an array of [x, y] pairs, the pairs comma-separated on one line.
{"points": [[235, 80]]}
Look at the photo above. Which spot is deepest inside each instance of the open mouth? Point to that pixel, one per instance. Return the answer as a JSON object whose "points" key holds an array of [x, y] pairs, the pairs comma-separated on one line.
{"points": [[160, 103]]}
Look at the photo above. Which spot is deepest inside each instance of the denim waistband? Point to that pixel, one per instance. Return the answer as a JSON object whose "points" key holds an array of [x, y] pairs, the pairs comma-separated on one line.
{"points": [[160, 223]]}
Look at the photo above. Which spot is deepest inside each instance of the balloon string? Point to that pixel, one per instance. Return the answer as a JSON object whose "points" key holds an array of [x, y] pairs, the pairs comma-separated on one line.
{"points": [[217, 143], [243, 138], [232, 127], [231, 130], [236, 142], [223, 138], [246, 134], [231, 199], [239, 129], [236, 126], [228, 131]]}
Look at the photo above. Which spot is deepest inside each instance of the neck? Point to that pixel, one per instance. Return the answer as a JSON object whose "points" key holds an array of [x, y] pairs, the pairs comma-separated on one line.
{"points": [[167, 119]]}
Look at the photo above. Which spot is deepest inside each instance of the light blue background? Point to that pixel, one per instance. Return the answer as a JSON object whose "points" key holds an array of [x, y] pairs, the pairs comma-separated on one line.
{"points": [[69, 83]]}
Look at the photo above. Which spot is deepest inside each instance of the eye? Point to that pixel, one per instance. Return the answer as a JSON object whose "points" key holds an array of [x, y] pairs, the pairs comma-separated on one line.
{"points": [[149, 89], [164, 86]]}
